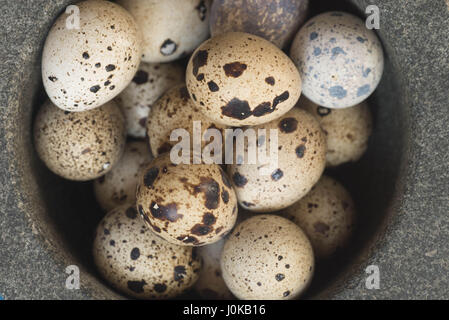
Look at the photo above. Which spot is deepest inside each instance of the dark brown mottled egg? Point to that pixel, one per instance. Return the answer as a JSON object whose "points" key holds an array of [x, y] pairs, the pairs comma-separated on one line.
{"points": [[267, 257], [239, 79], [186, 204], [80, 145], [274, 20], [137, 262]]}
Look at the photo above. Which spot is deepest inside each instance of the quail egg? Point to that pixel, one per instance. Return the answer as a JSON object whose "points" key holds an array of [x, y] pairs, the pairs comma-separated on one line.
{"points": [[85, 66], [267, 257], [149, 83], [239, 79], [175, 110], [171, 29], [326, 214], [340, 60], [276, 21], [186, 204], [80, 145], [139, 263], [301, 151], [118, 186], [347, 130], [210, 284]]}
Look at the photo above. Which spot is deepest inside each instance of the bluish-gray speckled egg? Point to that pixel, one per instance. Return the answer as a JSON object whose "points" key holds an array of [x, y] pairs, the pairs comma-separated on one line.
{"points": [[339, 59]]}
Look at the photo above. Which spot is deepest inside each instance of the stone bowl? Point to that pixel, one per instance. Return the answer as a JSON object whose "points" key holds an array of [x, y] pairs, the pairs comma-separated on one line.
{"points": [[400, 185]]}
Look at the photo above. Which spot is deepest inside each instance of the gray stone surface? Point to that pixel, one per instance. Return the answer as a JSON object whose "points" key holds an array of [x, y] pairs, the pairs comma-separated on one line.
{"points": [[404, 231]]}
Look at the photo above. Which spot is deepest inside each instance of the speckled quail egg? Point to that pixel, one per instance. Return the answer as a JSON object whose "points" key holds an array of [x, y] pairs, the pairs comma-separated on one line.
{"points": [[300, 162], [171, 29], [175, 110], [139, 263], [239, 79], [340, 60], [267, 257], [326, 214], [347, 130], [80, 145], [274, 20], [186, 204], [85, 67], [118, 186], [149, 83], [210, 284]]}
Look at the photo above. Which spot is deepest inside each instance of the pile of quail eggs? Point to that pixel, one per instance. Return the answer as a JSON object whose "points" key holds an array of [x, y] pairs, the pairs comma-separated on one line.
{"points": [[118, 86]]}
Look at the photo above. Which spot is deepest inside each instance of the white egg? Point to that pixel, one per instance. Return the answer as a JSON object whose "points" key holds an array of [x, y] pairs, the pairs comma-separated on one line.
{"points": [[86, 67], [171, 29]]}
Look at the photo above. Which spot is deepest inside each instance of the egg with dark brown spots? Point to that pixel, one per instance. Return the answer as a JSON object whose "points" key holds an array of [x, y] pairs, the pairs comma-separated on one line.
{"points": [[80, 145], [266, 186], [347, 130], [149, 84], [171, 29], [118, 186], [86, 67], [341, 61], [267, 257], [138, 263], [239, 79], [327, 215], [210, 284], [186, 204], [176, 110], [273, 20]]}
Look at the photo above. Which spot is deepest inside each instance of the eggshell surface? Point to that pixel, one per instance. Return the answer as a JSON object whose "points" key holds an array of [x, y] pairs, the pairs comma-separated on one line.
{"points": [[273, 20], [80, 145], [210, 284], [301, 151], [186, 204], [327, 215], [347, 130], [139, 263], [341, 61], [239, 79], [267, 257], [176, 110], [149, 84], [86, 67], [171, 29], [118, 186]]}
